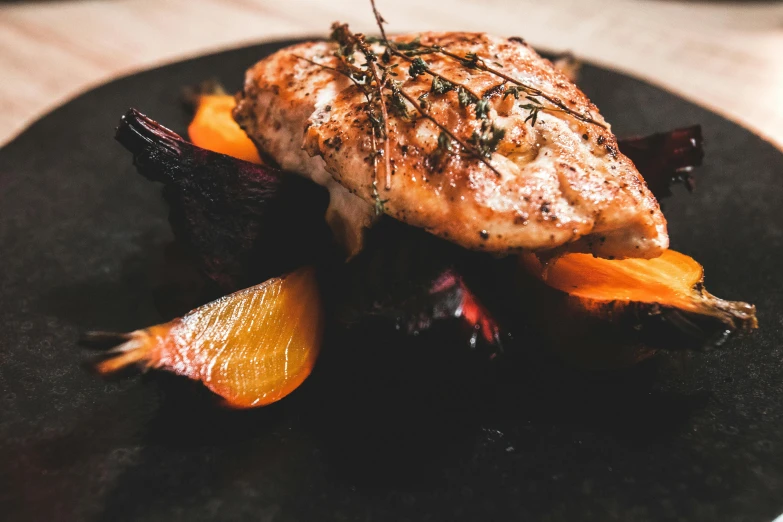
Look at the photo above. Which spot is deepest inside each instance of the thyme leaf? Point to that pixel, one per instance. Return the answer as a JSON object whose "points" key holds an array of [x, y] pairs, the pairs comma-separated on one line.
{"points": [[399, 106], [534, 107], [532, 116], [380, 204], [514, 91], [465, 97], [418, 52], [413, 45], [482, 109], [471, 61], [443, 149], [486, 142], [444, 142], [418, 67], [441, 86]]}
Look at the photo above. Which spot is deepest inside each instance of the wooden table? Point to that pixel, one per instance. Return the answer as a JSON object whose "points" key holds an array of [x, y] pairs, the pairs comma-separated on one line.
{"points": [[723, 55]]}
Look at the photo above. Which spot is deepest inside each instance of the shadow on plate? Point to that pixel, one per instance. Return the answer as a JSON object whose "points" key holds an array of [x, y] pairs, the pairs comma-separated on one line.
{"points": [[383, 411]]}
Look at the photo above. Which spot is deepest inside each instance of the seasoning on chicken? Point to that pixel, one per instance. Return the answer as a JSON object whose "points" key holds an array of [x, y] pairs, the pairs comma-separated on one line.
{"points": [[489, 146]]}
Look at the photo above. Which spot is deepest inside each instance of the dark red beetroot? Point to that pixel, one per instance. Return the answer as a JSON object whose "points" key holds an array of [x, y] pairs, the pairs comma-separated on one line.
{"points": [[230, 215], [666, 158]]}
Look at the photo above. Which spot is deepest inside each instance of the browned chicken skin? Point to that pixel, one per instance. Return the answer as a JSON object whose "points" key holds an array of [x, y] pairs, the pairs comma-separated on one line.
{"points": [[558, 184]]}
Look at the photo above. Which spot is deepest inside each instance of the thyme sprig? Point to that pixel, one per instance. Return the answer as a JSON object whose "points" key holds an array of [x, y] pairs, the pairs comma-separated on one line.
{"points": [[385, 95], [444, 84], [379, 22], [476, 152], [486, 141], [378, 77], [374, 78], [411, 52], [334, 69], [351, 74], [473, 61], [444, 148]]}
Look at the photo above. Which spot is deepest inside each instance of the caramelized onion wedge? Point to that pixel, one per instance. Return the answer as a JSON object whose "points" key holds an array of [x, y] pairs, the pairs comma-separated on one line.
{"points": [[252, 347], [213, 128], [671, 281]]}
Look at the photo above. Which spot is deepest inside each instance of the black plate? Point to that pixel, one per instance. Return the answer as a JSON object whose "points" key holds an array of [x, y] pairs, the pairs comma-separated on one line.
{"points": [[410, 433]]}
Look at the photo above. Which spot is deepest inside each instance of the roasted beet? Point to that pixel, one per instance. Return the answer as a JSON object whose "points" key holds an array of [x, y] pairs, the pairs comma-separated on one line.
{"points": [[666, 158], [410, 279], [242, 222]]}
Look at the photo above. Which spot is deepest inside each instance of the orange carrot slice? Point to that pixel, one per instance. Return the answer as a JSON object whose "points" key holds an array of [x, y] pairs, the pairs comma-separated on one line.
{"points": [[213, 128], [672, 280]]}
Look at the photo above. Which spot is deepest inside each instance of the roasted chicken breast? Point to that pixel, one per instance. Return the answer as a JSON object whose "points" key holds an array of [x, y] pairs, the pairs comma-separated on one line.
{"points": [[552, 182]]}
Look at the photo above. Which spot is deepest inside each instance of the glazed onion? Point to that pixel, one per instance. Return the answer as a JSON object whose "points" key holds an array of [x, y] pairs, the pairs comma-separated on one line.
{"points": [[252, 347]]}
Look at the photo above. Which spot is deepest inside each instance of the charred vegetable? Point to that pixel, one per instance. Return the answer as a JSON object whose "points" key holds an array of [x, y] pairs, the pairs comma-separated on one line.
{"points": [[666, 158], [598, 305], [410, 279], [252, 347], [213, 128], [232, 215]]}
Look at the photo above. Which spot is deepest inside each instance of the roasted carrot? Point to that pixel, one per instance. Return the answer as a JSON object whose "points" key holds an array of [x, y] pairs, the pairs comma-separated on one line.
{"points": [[213, 128], [601, 313], [672, 280]]}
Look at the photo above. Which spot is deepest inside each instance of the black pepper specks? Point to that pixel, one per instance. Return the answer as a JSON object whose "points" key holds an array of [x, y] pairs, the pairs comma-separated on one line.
{"points": [[495, 90], [334, 142], [484, 235], [601, 140]]}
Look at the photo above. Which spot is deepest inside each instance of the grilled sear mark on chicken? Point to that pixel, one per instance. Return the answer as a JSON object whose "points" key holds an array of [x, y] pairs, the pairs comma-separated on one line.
{"points": [[563, 184]]}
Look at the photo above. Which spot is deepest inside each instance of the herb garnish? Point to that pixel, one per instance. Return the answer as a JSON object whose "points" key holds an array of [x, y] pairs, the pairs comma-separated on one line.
{"points": [[386, 96], [487, 141]]}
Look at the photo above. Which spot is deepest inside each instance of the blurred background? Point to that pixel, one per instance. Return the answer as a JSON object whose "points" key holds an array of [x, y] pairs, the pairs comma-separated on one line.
{"points": [[725, 55]]}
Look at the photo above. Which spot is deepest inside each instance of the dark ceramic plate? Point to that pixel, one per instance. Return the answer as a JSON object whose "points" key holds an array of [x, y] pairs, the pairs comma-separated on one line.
{"points": [[402, 429]]}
